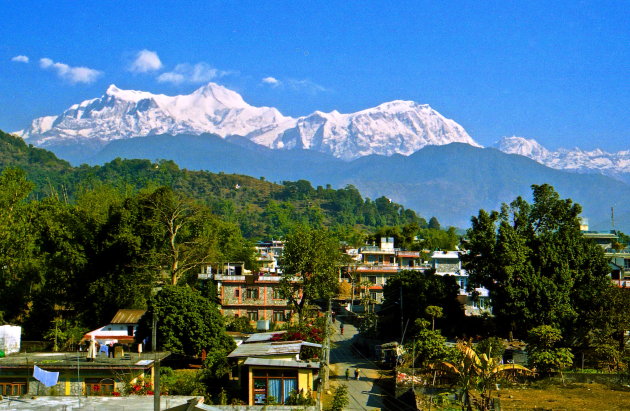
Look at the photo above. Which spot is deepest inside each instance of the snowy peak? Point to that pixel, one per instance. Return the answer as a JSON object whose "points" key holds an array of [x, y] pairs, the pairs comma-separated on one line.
{"points": [[120, 114], [395, 127], [524, 147], [611, 164]]}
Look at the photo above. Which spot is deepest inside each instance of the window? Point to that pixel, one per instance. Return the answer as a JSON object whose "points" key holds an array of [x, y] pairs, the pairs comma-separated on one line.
{"points": [[237, 293], [278, 316], [96, 386], [12, 387], [374, 295], [276, 294], [626, 264], [252, 315], [372, 279], [273, 383], [252, 293]]}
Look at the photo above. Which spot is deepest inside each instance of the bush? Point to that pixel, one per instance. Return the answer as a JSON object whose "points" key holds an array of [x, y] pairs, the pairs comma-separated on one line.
{"points": [[340, 399], [181, 382]]}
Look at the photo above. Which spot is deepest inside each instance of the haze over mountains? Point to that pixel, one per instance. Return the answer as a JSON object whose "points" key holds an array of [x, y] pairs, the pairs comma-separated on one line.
{"points": [[400, 149]]}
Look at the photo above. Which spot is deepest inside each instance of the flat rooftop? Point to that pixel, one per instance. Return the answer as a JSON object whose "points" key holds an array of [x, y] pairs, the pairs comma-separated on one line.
{"points": [[64, 360], [131, 403]]}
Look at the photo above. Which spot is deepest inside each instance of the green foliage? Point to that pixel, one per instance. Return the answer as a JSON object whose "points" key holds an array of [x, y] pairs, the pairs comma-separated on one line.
{"points": [[239, 324], [296, 398], [536, 263], [419, 290], [493, 347], [434, 312], [543, 351], [477, 374], [186, 324], [340, 399], [427, 346], [64, 334], [310, 265], [181, 382], [434, 223]]}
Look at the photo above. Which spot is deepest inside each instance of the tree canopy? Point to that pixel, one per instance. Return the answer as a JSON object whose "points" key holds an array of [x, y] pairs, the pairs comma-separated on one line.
{"points": [[310, 263], [419, 290], [536, 264], [187, 323]]}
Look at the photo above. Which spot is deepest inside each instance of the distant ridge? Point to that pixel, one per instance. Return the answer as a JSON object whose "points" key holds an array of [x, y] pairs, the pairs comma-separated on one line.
{"points": [[451, 181], [616, 165]]}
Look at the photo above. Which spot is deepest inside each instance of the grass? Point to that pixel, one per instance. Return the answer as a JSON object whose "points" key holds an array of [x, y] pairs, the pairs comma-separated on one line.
{"points": [[570, 397]]}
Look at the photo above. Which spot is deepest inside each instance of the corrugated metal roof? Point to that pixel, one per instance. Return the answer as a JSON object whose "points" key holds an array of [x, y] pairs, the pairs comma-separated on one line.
{"points": [[127, 316], [270, 349], [267, 362]]}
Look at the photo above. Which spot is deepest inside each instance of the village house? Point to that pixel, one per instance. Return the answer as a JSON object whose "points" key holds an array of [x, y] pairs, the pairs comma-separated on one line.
{"points": [[265, 368], [374, 265], [78, 375], [618, 255], [121, 329], [449, 263], [269, 256], [255, 296]]}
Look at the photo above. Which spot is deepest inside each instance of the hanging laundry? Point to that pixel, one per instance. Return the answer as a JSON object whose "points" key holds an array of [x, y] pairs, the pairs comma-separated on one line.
{"points": [[48, 378]]}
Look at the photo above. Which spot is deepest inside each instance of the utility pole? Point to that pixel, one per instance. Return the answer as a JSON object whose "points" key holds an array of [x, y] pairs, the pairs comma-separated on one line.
{"points": [[156, 365], [402, 321], [326, 353]]}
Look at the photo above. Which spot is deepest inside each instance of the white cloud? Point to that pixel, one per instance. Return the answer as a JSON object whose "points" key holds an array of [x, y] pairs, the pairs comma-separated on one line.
{"points": [[146, 60], [191, 73], [72, 74], [20, 59], [272, 81], [306, 85]]}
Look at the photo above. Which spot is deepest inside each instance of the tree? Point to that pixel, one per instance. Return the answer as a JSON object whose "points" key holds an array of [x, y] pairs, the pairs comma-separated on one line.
{"points": [[340, 399], [181, 230], [434, 223], [543, 351], [479, 373], [187, 323], [434, 312], [310, 265], [427, 346], [536, 264], [419, 290], [20, 260]]}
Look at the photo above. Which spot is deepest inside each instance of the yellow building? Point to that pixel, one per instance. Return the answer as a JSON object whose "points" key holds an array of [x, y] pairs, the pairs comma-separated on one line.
{"points": [[270, 371]]}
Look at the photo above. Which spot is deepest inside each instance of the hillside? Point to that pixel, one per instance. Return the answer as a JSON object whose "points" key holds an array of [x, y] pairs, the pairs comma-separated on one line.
{"points": [[260, 207], [450, 181]]}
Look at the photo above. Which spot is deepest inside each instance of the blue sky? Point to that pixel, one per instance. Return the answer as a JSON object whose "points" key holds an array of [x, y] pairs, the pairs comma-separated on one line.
{"points": [[555, 71]]}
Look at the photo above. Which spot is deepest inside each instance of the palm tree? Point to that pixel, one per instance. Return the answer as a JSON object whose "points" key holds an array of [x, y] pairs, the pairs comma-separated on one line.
{"points": [[479, 372]]}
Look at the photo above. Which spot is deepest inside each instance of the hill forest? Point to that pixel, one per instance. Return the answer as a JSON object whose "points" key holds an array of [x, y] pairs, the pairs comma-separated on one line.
{"points": [[78, 243]]}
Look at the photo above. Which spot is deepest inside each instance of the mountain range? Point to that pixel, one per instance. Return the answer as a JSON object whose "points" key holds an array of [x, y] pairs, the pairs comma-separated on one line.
{"points": [[401, 149], [397, 127], [616, 165]]}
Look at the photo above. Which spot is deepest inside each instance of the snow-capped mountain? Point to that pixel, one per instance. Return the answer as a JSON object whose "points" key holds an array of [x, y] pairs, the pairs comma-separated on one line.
{"points": [[397, 127], [612, 164], [120, 114]]}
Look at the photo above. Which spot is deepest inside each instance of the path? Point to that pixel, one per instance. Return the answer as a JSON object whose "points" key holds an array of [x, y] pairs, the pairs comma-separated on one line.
{"points": [[364, 394]]}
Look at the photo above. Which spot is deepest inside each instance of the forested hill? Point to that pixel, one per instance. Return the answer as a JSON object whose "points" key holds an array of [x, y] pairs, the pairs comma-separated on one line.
{"points": [[262, 209]]}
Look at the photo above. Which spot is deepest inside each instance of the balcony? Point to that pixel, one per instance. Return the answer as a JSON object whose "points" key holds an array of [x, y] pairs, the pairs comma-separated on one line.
{"points": [[221, 277]]}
